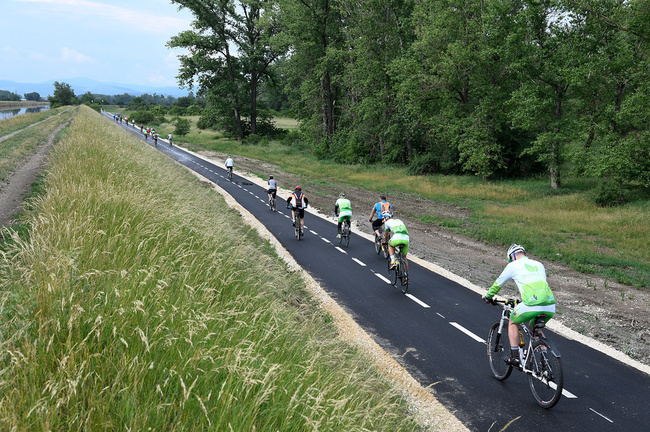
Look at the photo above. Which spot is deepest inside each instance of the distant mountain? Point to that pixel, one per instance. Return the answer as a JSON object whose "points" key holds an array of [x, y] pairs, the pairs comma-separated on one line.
{"points": [[83, 85]]}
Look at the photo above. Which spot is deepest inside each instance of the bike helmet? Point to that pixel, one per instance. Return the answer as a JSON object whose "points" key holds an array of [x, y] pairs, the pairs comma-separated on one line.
{"points": [[298, 188], [387, 214], [512, 250], [342, 195], [270, 177]]}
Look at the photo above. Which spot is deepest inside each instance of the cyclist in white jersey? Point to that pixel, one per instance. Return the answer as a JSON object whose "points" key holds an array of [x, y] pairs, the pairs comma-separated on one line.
{"points": [[273, 187], [537, 297]]}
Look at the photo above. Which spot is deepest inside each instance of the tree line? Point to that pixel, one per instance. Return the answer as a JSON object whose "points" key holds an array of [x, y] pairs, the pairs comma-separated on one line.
{"points": [[6, 95], [496, 88]]}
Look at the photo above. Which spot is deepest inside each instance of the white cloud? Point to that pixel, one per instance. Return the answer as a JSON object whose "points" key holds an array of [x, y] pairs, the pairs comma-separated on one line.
{"points": [[145, 20], [71, 56]]}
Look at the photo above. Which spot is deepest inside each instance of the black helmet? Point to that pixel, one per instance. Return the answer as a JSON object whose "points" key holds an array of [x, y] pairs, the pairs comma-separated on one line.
{"points": [[271, 176]]}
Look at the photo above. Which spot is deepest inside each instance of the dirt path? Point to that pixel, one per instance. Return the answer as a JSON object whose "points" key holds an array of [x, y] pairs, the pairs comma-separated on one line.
{"points": [[611, 313], [18, 185]]}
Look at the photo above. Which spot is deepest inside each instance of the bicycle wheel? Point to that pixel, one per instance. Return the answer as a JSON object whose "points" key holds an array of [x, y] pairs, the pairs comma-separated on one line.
{"points": [[547, 380], [346, 239], [392, 274], [377, 244], [498, 351], [404, 276], [297, 225], [274, 205]]}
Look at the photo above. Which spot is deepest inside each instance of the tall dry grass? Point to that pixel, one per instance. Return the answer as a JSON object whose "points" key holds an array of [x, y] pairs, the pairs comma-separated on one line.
{"points": [[139, 301]]}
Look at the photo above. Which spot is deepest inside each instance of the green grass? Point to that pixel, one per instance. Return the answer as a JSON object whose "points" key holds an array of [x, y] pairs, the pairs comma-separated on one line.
{"points": [[133, 304], [23, 144], [559, 225], [22, 121]]}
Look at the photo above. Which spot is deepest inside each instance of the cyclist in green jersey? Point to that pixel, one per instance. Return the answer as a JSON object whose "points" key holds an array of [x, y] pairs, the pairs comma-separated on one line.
{"points": [[537, 297], [399, 235], [343, 209]]}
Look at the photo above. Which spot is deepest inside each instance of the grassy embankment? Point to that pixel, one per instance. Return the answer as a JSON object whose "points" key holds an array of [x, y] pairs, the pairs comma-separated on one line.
{"points": [[563, 226], [23, 144], [135, 303]]}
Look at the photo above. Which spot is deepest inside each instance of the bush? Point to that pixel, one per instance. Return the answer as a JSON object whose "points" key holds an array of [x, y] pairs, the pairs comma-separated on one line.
{"points": [[610, 194], [143, 117], [182, 126]]}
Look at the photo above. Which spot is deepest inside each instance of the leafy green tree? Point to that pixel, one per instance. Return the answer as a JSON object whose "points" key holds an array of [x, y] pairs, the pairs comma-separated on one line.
{"points": [[63, 94], [34, 96], [87, 98], [182, 126], [6, 95], [229, 78]]}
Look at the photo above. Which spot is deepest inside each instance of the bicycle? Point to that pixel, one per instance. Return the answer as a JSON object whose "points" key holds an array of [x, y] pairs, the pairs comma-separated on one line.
{"points": [[399, 271], [345, 233], [272, 204], [539, 359], [380, 246], [229, 173], [298, 231]]}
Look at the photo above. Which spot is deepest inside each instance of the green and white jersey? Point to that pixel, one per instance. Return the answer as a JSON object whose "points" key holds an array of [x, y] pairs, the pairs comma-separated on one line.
{"points": [[344, 206], [397, 229], [530, 277]]}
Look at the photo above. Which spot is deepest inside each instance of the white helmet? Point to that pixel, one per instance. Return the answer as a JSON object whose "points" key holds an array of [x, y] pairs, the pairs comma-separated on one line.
{"points": [[514, 249], [387, 214]]}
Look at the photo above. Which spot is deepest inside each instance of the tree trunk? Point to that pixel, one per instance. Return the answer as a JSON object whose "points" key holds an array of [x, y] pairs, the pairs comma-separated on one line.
{"points": [[254, 80]]}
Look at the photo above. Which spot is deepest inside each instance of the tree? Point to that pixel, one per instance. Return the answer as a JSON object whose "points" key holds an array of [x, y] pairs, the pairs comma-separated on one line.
{"points": [[63, 94], [6, 95], [226, 77], [34, 96], [182, 126]]}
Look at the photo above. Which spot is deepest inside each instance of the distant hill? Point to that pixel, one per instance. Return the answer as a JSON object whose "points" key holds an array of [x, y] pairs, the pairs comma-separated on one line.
{"points": [[83, 85]]}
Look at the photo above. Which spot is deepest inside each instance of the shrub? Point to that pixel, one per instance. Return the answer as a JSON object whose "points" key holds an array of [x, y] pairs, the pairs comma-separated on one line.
{"points": [[609, 194]]}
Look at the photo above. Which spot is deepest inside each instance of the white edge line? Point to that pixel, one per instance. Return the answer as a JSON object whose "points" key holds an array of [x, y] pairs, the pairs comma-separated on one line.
{"points": [[418, 301], [468, 333]]}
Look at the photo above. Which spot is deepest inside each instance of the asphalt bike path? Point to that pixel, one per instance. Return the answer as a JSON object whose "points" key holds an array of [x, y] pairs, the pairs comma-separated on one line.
{"points": [[438, 330]]}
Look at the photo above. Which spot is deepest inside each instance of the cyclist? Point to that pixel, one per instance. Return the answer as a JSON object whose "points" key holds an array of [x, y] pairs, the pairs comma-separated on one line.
{"points": [[273, 187], [155, 138], [399, 235], [300, 203], [169, 137], [379, 209], [537, 297], [342, 209], [146, 133], [229, 164]]}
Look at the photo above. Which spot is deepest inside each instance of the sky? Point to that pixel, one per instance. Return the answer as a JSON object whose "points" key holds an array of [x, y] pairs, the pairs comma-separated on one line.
{"points": [[117, 41]]}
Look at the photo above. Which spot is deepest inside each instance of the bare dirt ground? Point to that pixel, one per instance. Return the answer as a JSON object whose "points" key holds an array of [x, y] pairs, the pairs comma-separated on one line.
{"points": [[613, 314]]}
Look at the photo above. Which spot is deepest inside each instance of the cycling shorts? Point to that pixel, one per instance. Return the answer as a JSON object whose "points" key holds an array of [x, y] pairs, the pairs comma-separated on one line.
{"points": [[300, 211], [400, 241], [377, 223], [345, 215], [523, 313], [272, 192]]}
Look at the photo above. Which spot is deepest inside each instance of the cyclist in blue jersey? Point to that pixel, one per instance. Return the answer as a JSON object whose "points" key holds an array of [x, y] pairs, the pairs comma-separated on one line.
{"points": [[379, 209]]}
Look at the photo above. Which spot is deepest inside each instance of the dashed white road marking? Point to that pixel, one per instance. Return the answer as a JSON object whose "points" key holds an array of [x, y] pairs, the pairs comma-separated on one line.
{"points": [[340, 250], [382, 278], [609, 420], [361, 263], [418, 301], [441, 316], [468, 333], [325, 240], [313, 232]]}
